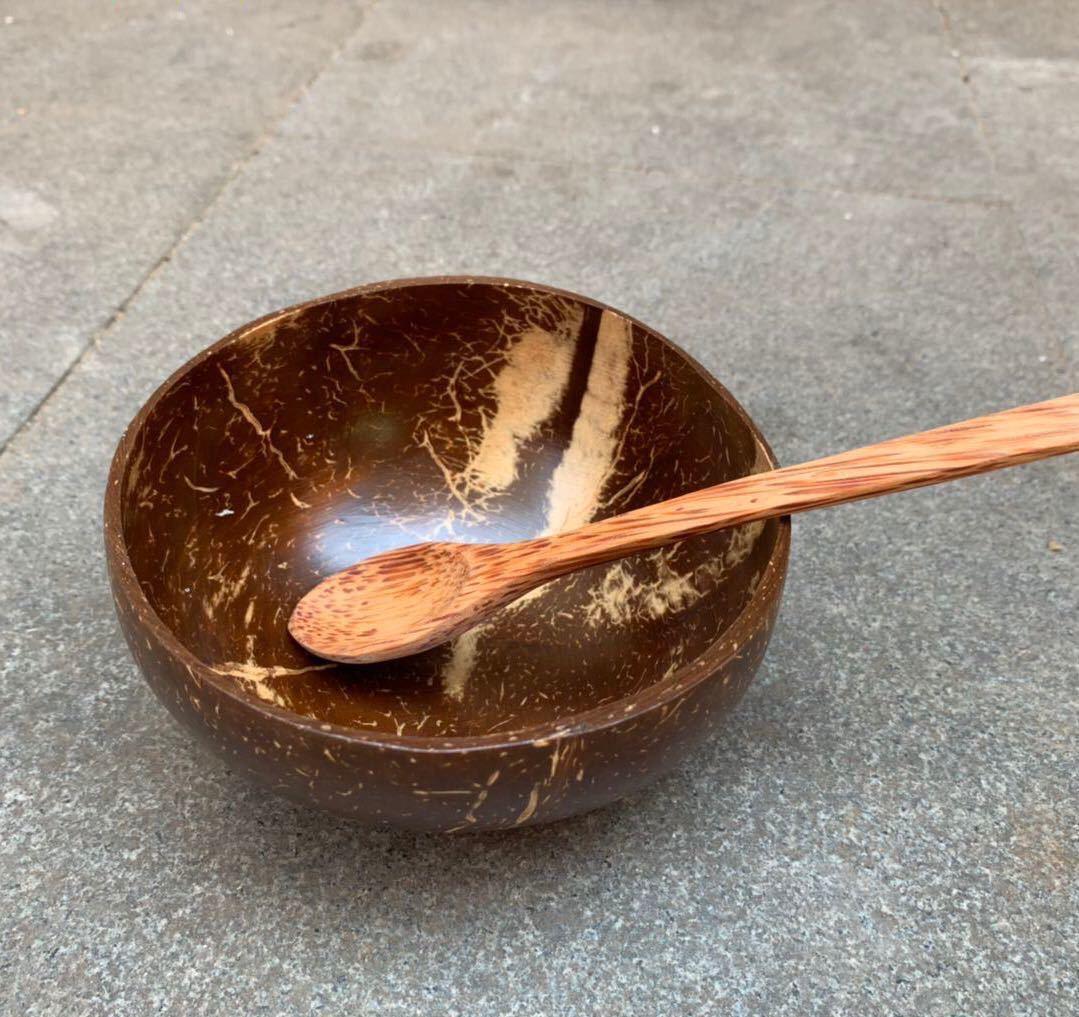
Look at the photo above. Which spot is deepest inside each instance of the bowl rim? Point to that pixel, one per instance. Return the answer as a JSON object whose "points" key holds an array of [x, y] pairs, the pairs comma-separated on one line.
{"points": [[690, 674]]}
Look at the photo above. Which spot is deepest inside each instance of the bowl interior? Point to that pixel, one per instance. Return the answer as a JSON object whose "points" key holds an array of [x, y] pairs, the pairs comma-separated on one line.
{"points": [[438, 410]]}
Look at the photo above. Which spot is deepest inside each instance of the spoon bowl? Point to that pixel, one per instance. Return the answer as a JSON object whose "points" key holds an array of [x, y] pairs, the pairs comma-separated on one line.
{"points": [[443, 410], [426, 583]]}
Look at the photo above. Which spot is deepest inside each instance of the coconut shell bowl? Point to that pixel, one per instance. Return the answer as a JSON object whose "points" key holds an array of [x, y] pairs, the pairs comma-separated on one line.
{"points": [[450, 408]]}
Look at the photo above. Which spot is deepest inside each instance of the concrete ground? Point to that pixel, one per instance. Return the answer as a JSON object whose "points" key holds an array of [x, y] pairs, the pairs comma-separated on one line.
{"points": [[861, 216]]}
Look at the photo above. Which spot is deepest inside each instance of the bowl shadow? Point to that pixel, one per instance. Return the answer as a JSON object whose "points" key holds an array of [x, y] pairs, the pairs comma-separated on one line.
{"points": [[301, 851]]}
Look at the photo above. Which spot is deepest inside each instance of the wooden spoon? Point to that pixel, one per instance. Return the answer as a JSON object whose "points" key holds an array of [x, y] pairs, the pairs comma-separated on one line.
{"points": [[411, 599]]}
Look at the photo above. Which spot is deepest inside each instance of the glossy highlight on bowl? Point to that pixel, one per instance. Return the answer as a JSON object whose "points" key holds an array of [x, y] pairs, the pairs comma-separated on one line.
{"points": [[453, 408]]}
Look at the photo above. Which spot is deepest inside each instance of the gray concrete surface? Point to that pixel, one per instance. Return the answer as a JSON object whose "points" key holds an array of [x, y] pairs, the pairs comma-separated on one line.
{"points": [[120, 125], [861, 217]]}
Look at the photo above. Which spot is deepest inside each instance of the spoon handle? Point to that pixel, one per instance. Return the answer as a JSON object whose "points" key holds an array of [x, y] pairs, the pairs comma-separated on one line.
{"points": [[958, 450]]}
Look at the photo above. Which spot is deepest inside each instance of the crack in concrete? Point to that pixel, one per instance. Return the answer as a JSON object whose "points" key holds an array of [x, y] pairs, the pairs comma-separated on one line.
{"points": [[972, 94], [237, 169]]}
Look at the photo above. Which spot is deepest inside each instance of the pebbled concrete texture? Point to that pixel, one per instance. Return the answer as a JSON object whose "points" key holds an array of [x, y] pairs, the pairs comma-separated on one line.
{"points": [[888, 823], [1022, 68]]}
